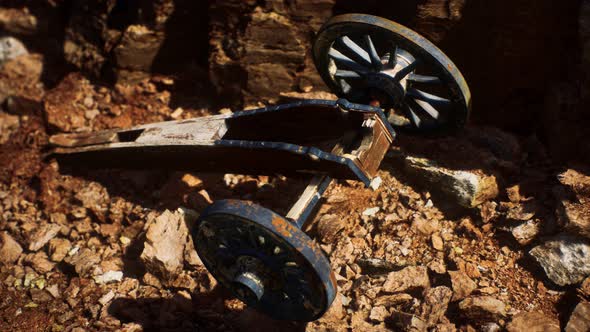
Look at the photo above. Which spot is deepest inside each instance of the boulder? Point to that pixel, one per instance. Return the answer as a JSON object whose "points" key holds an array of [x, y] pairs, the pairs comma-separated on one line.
{"points": [[564, 258], [466, 188]]}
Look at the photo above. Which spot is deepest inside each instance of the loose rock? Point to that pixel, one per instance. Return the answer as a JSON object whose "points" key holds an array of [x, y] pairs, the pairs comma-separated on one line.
{"points": [[59, 248], [329, 226], [580, 319], [466, 188], [564, 258], [10, 250], [95, 198], [164, 245], [42, 235], [574, 210], [409, 322], [526, 232], [110, 276], [436, 301], [11, 48], [534, 322], [409, 279], [437, 242], [483, 308], [85, 261], [40, 262], [378, 314], [462, 285]]}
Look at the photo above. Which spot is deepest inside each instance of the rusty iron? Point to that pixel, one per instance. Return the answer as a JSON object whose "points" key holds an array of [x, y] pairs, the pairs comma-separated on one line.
{"points": [[265, 259]]}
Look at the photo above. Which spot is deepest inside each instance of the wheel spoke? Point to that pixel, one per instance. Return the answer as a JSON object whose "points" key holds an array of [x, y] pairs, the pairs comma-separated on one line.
{"points": [[392, 57], [375, 59], [423, 78], [360, 54], [430, 98], [414, 118], [428, 108], [345, 86], [346, 61], [346, 74], [406, 70]]}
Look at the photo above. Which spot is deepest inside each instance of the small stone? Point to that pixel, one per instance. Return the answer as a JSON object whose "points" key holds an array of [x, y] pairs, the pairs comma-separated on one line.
{"points": [[580, 319], [8, 124], [53, 290], [513, 194], [437, 267], [488, 211], [40, 296], [125, 240], [11, 48], [436, 301], [42, 235], [526, 232], [574, 210], [378, 314], [585, 288], [91, 114], [150, 279], [490, 327], [376, 183], [424, 226], [408, 322], [329, 226], [437, 242], [108, 297], [110, 230], [10, 250], [375, 266], [88, 102], [408, 279], [40, 262], [84, 262], [177, 113], [225, 111], [371, 212], [166, 237], [192, 181], [95, 198], [564, 258], [483, 308], [535, 321], [109, 276], [462, 285], [393, 299]]}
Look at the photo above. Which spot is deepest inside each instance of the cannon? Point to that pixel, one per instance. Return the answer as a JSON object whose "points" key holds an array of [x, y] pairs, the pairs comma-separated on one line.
{"points": [[389, 80]]}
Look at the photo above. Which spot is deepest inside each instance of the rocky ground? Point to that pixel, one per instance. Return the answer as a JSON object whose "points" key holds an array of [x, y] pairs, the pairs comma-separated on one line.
{"points": [[478, 231]]}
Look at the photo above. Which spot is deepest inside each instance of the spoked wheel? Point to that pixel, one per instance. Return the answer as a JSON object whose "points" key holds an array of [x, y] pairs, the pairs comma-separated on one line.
{"points": [[371, 60], [265, 260]]}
